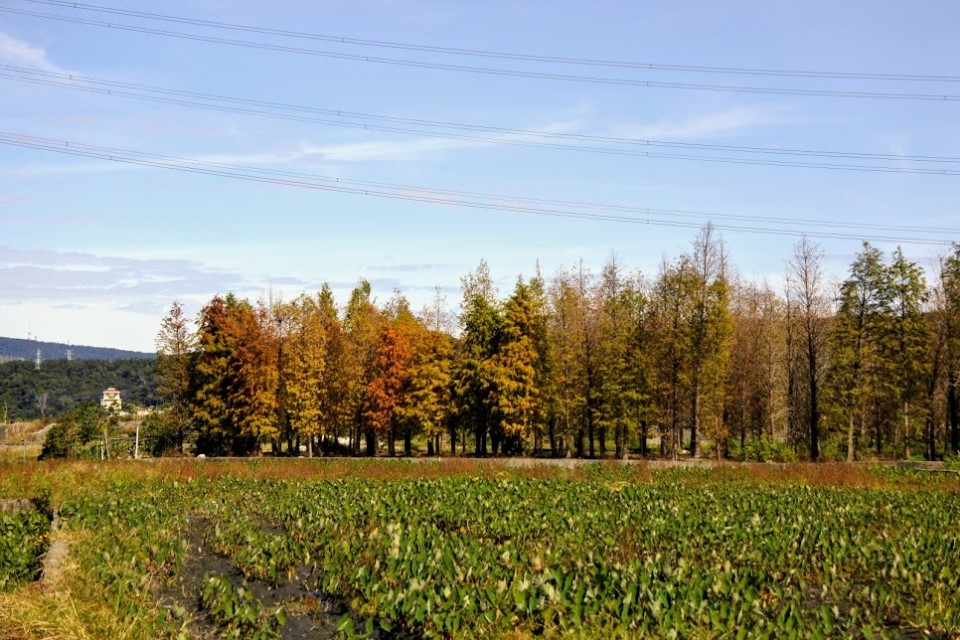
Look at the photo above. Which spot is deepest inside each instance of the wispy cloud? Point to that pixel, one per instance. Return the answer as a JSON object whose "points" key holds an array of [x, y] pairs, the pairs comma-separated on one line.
{"points": [[74, 278], [715, 124], [23, 53], [382, 150], [410, 267]]}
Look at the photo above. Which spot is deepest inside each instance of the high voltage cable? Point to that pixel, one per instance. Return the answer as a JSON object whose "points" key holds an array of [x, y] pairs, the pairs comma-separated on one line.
{"points": [[122, 92], [563, 203], [823, 93], [462, 198], [578, 137], [507, 55]]}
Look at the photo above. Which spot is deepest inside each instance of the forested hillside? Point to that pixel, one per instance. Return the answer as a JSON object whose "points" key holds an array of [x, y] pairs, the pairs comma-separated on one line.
{"points": [[17, 349], [692, 360], [60, 385]]}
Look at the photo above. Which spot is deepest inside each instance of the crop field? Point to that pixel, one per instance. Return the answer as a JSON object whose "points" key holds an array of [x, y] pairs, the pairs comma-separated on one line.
{"points": [[278, 549]]}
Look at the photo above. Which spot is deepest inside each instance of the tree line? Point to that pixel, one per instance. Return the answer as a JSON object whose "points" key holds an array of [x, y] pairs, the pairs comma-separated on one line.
{"points": [[691, 361]]}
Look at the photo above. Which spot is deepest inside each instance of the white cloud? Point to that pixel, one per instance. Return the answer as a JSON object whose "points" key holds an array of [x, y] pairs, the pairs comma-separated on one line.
{"points": [[35, 275], [21, 53], [707, 125], [382, 150], [419, 148]]}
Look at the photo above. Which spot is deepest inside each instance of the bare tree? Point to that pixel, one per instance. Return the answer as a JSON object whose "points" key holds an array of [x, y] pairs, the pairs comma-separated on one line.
{"points": [[41, 399], [805, 293]]}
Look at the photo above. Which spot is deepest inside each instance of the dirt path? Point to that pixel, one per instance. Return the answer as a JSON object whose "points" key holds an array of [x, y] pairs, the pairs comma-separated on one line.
{"points": [[55, 559]]}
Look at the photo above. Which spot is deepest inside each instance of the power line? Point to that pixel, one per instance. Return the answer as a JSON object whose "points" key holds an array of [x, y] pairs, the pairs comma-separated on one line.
{"points": [[507, 55], [490, 71], [511, 204], [486, 128], [119, 89]]}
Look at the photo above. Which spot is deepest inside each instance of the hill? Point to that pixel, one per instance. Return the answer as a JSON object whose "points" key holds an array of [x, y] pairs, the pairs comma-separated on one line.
{"points": [[19, 349], [26, 393]]}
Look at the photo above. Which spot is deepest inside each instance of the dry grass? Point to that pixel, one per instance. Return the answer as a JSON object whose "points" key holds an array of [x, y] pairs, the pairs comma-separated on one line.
{"points": [[11, 453], [30, 614], [64, 478], [838, 474], [71, 606]]}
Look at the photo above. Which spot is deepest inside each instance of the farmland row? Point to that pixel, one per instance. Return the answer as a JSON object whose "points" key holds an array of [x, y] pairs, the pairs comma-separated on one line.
{"points": [[681, 556]]}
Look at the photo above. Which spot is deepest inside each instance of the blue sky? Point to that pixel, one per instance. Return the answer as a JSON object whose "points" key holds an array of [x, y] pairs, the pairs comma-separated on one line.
{"points": [[94, 251]]}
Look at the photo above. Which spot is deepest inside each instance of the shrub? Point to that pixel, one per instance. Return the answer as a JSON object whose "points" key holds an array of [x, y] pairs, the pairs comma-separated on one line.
{"points": [[69, 437], [23, 540], [768, 449]]}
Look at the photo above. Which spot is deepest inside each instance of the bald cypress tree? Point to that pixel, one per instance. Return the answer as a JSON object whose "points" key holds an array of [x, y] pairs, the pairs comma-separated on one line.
{"points": [[947, 310], [361, 328], [856, 340], [473, 390], [672, 310], [806, 295], [516, 396], [208, 407], [176, 350], [907, 346], [427, 407], [303, 369], [386, 390]]}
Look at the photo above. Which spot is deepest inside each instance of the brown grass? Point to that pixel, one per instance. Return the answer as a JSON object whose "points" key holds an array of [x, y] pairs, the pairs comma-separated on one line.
{"points": [[63, 478]]}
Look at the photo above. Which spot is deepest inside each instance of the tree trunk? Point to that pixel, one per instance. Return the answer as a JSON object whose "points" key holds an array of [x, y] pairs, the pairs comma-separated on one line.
{"points": [[644, 432], [643, 438], [743, 434], [850, 444], [906, 430], [814, 405], [479, 442], [695, 421], [953, 411], [590, 434]]}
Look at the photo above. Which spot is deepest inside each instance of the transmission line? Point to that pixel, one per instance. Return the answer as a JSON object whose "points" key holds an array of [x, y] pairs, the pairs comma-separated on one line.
{"points": [[491, 71], [511, 204], [505, 55], [119, 89]]}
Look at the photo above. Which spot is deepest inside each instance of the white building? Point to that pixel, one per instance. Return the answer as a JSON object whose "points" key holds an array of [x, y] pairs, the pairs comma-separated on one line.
{"points": [[111, 400]]}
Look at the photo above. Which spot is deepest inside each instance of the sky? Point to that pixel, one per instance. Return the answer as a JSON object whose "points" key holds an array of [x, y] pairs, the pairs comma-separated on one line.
{"points": [[94, 250]]}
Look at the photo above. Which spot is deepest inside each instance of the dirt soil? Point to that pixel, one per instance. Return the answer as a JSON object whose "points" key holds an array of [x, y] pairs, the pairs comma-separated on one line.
{"points": [[309, 615]]}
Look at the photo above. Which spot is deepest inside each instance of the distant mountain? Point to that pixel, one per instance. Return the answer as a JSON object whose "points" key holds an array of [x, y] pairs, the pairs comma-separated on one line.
{"points": [[17, 349]]}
